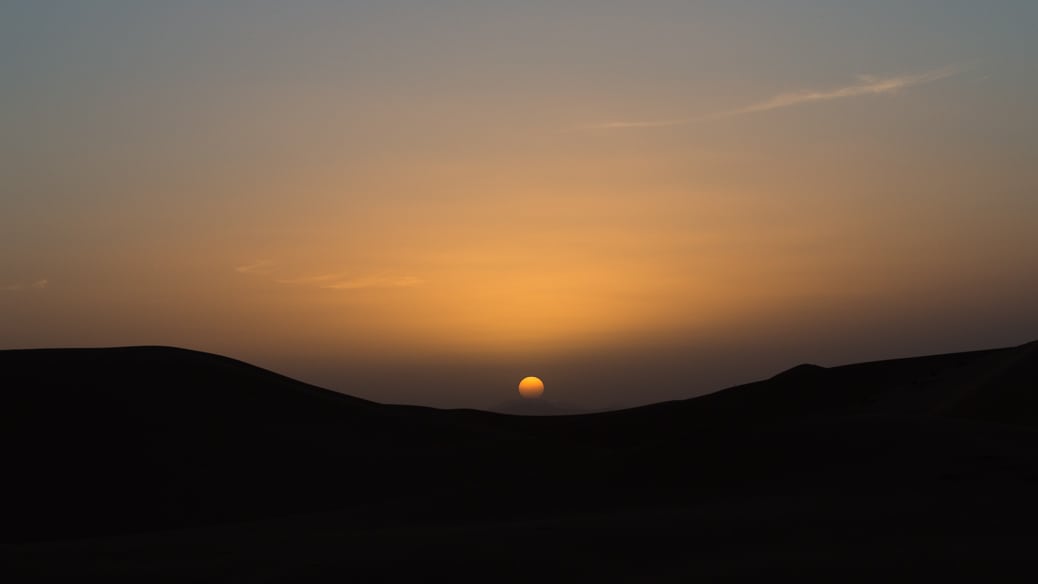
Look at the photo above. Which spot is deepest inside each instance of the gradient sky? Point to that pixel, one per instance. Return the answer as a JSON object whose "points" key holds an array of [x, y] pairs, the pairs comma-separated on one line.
{"points": [[424, 201]]}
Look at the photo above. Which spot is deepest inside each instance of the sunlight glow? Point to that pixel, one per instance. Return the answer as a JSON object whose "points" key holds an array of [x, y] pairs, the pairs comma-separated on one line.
{"points": [[531, 387]]}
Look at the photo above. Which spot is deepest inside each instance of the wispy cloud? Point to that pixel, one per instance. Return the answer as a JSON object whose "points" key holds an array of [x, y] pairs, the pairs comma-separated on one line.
{"points": [[256, 267], [19, 286], [865, 85], [377, 281], [346, 281], [318, 280], [334, 280]]}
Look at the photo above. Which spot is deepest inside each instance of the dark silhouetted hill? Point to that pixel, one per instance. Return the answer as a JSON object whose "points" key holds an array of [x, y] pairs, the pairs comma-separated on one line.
{"points": [[127, 454], [537, 407]]}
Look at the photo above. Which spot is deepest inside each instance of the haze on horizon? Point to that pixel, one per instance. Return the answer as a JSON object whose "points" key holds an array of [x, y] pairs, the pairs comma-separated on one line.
{"points": [[425, 201]]}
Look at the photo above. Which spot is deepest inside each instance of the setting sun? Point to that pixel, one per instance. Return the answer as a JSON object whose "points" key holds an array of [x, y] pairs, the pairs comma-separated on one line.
{"points": [[531, 387]]}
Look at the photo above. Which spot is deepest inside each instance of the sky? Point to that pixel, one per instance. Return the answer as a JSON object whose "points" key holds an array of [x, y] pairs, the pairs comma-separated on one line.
{"points": [[423, 201]]}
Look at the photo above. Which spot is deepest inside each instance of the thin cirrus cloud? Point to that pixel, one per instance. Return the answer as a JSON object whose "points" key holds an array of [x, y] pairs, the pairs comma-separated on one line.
{"points": [[866, 85], [377, 281], [256, 267], [319, 280], [19, 286], [335, 280], [340, 281]]}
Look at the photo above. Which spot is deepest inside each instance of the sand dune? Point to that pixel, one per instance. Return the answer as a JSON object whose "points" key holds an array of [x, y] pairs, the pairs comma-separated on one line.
{"points": [[108, 450]]}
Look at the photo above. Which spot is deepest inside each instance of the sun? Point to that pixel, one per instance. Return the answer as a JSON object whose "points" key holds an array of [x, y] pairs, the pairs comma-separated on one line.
{"points": [[531, 387]]}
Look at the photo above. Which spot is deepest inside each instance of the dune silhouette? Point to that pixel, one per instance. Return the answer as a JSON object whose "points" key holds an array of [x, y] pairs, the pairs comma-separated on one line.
{"points": [[108, 448], [537, 407]]}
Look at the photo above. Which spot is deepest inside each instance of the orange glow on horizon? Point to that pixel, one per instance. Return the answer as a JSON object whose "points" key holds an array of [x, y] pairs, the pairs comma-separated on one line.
{"points": [[383, 211]]}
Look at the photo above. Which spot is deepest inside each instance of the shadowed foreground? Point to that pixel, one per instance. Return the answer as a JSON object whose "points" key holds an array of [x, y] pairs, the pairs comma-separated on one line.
{"points": [[160, 464]]}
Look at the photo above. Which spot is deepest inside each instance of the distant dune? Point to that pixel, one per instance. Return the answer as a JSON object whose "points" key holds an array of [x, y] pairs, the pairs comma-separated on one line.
{"points": [[537, 407], [268, 478]]}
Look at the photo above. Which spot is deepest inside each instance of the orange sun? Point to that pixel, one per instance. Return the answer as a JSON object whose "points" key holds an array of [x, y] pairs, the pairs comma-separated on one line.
{"points": [[531, 387]]}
